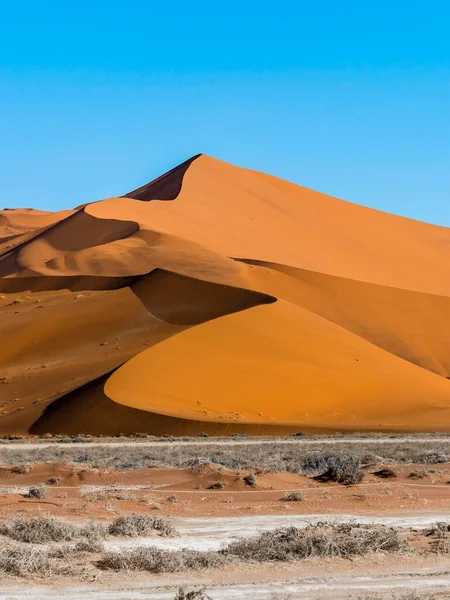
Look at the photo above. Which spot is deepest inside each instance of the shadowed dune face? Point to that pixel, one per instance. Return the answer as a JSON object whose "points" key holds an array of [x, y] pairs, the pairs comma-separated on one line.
{"points": [[135, 313], [166, 187]]}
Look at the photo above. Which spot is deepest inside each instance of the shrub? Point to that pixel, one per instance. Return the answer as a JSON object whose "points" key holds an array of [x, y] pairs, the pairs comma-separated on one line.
{"points": [[293, 496], [418, 474], [325, 541], [89, 544], [198, 464], [129, 464], [314, 463], [219, 485], [250, 479], [38, 491], [385, 473], [182, 594], [29, 560], [439, 529], [82, 458], [21, 469], [433, 458], [172, 499], [39, 530], [54, 480], [442, 545], [140, 525], [342, 469], [155, 560], [93, 531]]}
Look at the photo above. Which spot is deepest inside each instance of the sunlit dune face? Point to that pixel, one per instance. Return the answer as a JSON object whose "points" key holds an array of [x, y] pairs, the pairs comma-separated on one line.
{"points": [[279, 364]]}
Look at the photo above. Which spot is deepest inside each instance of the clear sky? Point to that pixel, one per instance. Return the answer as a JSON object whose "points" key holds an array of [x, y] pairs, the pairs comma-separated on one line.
{"points": [[348, 97]]}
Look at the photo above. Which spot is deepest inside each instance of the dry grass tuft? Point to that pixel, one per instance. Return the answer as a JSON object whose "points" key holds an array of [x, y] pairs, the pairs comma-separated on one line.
{"points": [[440, 534], [90, 545], [21, 469], [140, 525], [182, 594], [293, 496], [418, 473], [38, 491], [250, 480], [155, 560], [38, 530], [93, 530], [342, 469], [23, 561], [385, 473], [324, 541], [219, 485]]}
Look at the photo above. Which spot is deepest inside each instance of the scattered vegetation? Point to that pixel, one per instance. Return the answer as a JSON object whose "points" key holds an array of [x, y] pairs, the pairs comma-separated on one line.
{"points": [[305, 456], [326, 540], [78, 548]]}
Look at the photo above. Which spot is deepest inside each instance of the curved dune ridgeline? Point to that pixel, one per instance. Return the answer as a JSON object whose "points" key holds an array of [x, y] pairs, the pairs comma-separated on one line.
{"points": [[222, 300]]}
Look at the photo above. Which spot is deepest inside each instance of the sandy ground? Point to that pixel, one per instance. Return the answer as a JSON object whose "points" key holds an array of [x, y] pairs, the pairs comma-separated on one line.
{"points": [[207, 519], [184, 492], [81, 491]]}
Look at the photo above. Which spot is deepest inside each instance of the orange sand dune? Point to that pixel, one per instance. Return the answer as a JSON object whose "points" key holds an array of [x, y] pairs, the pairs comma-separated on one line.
{"points": [[291, 366], [220, 299]]}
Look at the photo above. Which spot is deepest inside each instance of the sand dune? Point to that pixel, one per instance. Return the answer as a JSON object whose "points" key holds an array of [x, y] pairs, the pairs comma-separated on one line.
{"points": [[220, 299]]}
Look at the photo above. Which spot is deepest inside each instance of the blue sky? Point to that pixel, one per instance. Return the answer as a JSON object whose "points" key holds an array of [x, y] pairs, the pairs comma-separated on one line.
{"points": [[350, 98]]}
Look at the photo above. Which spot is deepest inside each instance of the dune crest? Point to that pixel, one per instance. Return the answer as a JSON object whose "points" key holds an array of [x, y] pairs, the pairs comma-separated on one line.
{"points": [[220, 299]]}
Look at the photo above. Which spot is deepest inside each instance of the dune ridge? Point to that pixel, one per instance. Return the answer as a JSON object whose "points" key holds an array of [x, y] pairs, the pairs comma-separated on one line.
{"points": [[220, 299]]}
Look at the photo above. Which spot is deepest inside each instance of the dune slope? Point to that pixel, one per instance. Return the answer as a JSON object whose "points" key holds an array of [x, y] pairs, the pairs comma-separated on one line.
{"points": [[220, 299]]}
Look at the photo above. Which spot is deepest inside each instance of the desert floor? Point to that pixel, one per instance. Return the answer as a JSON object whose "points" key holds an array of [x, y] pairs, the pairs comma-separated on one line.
{"points": [[200, 484]]}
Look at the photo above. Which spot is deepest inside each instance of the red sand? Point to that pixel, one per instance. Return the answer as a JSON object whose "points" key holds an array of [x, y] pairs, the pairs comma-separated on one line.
{"points": [[83, 491], [220, 299]]}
